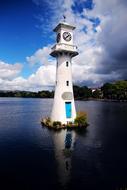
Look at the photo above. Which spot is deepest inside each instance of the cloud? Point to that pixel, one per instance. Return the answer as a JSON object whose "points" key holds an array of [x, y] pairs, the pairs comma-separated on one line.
{"points": [[100, 36], [85, 41], [9, 71], [41, 56], [113, 39], [43, 78], [103, 54]]}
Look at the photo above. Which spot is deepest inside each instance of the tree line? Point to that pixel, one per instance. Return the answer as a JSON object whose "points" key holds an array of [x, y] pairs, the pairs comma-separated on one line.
{"points": [[114, 91], [27, 94]]}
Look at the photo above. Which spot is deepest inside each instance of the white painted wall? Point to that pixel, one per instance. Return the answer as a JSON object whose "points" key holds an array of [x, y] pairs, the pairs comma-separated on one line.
{"points": [[63, 74]]}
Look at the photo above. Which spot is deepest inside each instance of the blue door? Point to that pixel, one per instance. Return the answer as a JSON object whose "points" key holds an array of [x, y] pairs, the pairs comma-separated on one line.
{"points": [[68, 109]]}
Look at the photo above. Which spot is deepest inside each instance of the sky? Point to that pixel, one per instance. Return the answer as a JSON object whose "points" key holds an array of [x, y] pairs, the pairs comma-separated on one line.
{"points": [[26, 38]]}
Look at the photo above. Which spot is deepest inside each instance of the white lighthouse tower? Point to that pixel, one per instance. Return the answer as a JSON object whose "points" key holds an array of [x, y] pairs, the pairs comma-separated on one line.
{"points": [[63, 106]]}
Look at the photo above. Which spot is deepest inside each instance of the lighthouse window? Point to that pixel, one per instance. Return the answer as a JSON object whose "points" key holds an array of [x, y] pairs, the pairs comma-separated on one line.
{"points": [[67, 83], [67, 63]]}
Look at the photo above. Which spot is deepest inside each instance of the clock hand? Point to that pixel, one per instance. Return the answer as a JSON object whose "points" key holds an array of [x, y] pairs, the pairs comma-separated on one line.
{"points": [[67, 36]]}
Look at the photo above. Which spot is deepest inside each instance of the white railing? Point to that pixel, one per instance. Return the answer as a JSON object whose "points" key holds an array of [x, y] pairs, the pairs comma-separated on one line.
{"points": [[62, 46]]}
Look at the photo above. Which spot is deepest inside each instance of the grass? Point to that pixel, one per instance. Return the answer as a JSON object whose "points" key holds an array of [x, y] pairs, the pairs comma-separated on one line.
{"points": [[79, 122]]}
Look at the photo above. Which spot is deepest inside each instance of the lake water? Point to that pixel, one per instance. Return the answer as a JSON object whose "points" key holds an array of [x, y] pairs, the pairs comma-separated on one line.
{"points": [[35, 158]]}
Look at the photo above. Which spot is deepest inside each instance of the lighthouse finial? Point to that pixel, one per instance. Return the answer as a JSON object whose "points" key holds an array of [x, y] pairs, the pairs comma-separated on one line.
{"points": [[64, 18]]}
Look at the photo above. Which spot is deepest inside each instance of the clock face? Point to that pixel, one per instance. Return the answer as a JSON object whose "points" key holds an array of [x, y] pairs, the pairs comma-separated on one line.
{"points": [[58, 38], [67, 36]]}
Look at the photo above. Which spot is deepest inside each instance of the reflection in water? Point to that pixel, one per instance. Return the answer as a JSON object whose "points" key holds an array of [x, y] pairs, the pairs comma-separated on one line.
{"points": [[64, 146], [99, 160]]}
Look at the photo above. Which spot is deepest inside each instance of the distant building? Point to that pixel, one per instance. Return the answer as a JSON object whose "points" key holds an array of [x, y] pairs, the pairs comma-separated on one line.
{"points": [[94, 89]]}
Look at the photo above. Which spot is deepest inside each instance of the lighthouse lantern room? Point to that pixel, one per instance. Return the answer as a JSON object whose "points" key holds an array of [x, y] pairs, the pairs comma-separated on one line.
{"points": [[63, 109]]}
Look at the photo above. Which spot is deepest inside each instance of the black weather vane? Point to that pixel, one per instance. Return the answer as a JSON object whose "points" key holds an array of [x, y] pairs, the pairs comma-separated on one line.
{"points": [[64, 18]]}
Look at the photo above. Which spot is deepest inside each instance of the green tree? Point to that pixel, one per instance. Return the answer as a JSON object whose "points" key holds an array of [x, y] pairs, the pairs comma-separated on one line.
{"points": [[117, 90]]}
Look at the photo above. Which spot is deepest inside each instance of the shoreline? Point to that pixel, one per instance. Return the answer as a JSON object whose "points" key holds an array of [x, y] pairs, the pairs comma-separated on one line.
{"points": [[101, 100], [76, 99]]}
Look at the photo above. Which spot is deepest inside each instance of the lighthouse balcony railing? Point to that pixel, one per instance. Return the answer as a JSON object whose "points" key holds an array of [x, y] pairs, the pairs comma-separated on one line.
{"points": [[62, 46]]}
